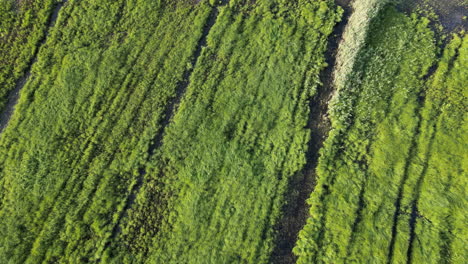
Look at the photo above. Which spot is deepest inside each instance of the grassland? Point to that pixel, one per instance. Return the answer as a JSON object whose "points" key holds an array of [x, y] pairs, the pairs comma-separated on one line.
{"points": [[239, 132], [94, 102], [434, 196], [23, 26], [106, 183], [173, 132], [376, 198]]}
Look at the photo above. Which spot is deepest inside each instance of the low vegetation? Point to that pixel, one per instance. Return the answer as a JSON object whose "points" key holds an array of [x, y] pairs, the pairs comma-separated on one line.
{"points": [[175, 132], [237, 139], [434, 197], [23, 25], [354, 37], [381, 174], [84, 141], [84, 123]]}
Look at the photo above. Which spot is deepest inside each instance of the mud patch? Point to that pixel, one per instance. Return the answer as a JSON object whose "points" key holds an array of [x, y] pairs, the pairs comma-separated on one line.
{"points": [[451, 13]]}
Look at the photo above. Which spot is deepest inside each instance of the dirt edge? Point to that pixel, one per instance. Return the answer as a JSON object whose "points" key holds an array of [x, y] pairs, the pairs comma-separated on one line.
{"points": [[296, 210]]}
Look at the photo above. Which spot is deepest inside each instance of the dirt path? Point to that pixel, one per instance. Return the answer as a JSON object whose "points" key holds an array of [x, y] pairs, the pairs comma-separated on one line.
{"points": [[13, 96], [296, 211]]}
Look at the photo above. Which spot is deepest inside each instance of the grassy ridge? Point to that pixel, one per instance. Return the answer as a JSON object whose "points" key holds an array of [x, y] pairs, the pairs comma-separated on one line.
{"points": [[23, 25], [85, 120], [168, 132], [392, 173], [363, 161]]}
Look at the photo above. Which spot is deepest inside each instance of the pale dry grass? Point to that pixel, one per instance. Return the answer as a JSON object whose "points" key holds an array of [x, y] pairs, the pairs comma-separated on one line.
{"points": [[363, 11]]}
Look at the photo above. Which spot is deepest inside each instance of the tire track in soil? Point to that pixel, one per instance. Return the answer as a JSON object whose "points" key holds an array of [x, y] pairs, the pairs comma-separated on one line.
{"points": [[14, 95], [169, 112], [296, 212], [359, 212], [421, 101], [87, 148]]}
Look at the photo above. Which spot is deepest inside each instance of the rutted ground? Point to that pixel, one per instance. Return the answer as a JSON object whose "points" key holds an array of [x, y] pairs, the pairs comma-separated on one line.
{"points": [[434, 195], [171, 108], [237, 138], [84, 122], [295, 211]]}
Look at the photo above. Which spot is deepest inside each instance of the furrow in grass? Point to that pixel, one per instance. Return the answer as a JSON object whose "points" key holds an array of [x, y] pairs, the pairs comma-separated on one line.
{"points": [[138, 220], [79, 165], [131, 196], [414, 204], [398, 202], [375, 106], [437, 200], [23, 27], [107, 162], [359, 216], [89, 147], [342, 67], [240, 132], [420, 163], [73, 182], [295, 211], [170, 109], [14, 94], [182, 86]]}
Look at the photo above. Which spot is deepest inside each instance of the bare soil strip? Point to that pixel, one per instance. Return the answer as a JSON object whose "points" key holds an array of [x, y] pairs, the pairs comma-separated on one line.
{"points": [[296, 210]]}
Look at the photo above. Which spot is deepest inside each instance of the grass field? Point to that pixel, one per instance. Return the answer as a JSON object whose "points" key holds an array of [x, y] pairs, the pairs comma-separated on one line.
{"points": [[88, 114], [23, 26], [381, 170], [93, 110], [142, 131]]}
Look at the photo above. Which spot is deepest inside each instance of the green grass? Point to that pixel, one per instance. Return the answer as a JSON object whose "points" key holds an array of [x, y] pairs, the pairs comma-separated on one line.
{"points": [[23, 25], [169, 132], [78, 141], [237, 139], [391, 175], [374, 121], [85, 119], [438, 190]]}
